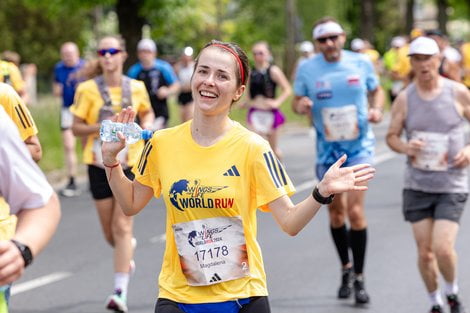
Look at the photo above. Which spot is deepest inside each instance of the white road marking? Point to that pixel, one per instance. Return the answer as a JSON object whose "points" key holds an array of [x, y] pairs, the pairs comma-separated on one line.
{"points": [[39, 282]]}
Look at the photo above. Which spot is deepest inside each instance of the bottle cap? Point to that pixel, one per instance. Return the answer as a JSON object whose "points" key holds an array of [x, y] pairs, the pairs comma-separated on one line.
{"points": [[147, 134]]}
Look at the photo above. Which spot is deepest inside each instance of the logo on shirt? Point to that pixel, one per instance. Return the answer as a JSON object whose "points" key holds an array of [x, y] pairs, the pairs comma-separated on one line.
{"points": [[189, 195], [233, 171], [353, 80], [322, 84], [205, 235], [322, 95]]}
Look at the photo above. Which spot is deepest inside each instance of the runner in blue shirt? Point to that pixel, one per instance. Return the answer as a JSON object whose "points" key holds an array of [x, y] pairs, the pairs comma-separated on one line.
{"points": [[159, 78], [65, 83], [334, 85]]}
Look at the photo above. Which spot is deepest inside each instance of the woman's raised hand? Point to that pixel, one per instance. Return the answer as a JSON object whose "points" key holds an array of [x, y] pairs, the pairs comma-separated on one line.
{"points": [[340, 179], [110, 150]]}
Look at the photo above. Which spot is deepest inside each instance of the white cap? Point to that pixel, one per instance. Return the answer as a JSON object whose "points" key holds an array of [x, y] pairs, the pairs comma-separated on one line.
{"points": [[306, 46], [423, 45], [147, 44], [398, 42], [357, 44], [327, 28]]}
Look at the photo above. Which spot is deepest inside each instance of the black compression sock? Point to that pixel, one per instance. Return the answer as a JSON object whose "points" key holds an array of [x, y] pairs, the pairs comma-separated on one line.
{"points": [[358, 246], [340, 238]]}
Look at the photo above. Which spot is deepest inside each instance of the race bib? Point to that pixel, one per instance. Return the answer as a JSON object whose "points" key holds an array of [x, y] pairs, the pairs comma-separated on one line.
{"points": [[434, 155], [341, 123], [212, 250], [262, 121]]}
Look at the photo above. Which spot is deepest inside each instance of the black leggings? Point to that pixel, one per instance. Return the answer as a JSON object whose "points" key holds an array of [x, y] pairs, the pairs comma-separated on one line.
{"points": [[256, 305]]}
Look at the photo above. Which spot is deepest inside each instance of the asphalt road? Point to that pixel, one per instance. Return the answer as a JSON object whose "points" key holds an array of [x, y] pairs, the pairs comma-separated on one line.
{"points": [[74, 273]]}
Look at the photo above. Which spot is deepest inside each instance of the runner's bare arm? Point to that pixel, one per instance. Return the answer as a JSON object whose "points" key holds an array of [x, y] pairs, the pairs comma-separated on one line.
{"points": [[81, 128], [146, 119], [131, 195], [377, 99], [397, 122], [463, 100], [34, 146], [279, 77], [301, 104], [57, 89], [462, 158], [293, 218], [35, 228]]}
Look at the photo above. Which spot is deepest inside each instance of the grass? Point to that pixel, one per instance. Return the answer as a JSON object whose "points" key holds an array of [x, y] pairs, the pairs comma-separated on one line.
{"points": [[46, 114]]}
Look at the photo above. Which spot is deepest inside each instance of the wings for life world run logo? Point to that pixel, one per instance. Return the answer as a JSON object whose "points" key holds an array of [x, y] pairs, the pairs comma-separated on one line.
{"points": [[186, 195], [206, 235]]}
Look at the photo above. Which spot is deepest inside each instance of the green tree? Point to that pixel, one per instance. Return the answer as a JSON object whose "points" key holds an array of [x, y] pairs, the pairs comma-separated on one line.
{"points": [[37, 30]]}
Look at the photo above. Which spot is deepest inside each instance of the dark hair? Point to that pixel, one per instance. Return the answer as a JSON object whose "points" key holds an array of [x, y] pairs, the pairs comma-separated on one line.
{"points": [[242, 59]]}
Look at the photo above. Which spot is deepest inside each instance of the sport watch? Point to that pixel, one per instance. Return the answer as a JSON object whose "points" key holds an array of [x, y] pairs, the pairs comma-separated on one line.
{"points": [[25, 252], [319, 198]]}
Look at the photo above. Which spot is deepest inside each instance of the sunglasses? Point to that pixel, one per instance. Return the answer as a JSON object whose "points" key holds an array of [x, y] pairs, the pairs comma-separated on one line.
{"points": [[325, 39], [111, 51], [258, 52]]}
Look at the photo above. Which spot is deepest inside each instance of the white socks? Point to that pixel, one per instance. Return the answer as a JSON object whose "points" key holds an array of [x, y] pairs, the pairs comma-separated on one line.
{"points": [[451, 288], [121, 280], [436, 298]]}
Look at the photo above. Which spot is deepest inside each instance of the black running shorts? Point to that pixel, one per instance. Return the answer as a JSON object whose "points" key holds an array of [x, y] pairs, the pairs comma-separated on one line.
{"points": [[99, 186]]}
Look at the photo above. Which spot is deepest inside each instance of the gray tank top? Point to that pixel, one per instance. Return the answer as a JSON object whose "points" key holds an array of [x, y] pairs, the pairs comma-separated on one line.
{"points": [[438, 116]]}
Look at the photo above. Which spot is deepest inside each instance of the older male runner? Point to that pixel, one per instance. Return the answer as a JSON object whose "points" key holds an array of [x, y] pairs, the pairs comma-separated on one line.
{"points": [[334, 85], [432, 111]]}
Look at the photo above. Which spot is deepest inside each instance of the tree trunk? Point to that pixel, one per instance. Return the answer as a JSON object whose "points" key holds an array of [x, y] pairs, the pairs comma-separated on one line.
{"points": [[410, 18], [291, 19], [442, 6], [367, 20], [130, 26]]}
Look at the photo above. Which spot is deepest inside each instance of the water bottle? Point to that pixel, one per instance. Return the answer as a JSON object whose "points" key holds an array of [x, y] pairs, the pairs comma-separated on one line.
{"points": [[132, 132]]}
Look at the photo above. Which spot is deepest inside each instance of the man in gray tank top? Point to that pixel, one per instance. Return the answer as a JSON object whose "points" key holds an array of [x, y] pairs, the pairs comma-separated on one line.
{"points": [[432, 111]]}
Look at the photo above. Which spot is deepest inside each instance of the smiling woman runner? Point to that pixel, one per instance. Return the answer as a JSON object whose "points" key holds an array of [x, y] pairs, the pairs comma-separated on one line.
{"points": [[213, 175]]}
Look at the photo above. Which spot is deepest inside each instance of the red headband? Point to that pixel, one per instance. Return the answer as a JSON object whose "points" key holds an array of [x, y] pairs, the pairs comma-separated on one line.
{"points": [[240, 65]]}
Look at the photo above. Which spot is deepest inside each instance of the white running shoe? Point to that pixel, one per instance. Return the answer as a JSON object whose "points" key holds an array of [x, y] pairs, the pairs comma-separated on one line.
{"points": [[117, 302]]}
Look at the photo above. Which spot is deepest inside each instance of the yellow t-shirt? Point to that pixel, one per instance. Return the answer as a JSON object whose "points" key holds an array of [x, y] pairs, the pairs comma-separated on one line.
{"points": [[17, 110], [373, 55], [466, 63], [7, 221], [228, 180], [402, 65], [10, 74], [87, 104]]}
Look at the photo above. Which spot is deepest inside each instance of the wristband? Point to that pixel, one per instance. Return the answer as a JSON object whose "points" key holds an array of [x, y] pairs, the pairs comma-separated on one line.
{"points": [[112, 166], [24, 251], [319, 198]]}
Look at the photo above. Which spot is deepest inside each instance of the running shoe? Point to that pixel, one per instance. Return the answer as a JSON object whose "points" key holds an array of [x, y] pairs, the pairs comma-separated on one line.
{"points": [[454, 304], [436, 309], [117, 302], [360, 292], [71, 190], [345, 289]]}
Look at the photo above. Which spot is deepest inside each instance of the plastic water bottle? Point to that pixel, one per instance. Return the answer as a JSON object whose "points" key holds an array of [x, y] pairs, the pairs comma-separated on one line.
{"points": [[132, 132]]}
